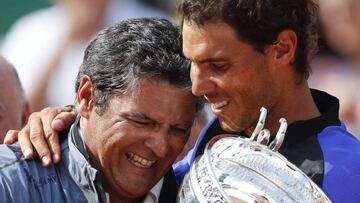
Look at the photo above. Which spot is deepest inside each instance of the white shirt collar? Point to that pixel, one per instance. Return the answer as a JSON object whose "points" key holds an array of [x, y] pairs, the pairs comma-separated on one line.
{"points": [[154, 194]]}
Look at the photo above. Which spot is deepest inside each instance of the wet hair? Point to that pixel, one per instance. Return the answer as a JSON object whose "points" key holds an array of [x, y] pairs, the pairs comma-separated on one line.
{"points": [[129, 51], [258, 22]]}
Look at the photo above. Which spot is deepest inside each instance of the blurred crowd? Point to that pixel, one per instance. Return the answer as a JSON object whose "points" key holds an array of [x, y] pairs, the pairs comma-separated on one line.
{"points": [[46, 46], [336, 68]]}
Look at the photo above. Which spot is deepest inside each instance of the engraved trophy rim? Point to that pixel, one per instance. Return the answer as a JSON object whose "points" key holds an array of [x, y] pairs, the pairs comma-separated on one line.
{"points": [[236, 169]]}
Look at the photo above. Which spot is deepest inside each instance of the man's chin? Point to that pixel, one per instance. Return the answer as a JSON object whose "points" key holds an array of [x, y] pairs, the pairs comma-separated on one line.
{"points": [[229, 126], [134, 188], [134, 193]]}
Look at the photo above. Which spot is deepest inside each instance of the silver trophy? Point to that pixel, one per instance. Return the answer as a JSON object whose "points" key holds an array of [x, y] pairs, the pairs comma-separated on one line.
{"points": [[234, 169]]}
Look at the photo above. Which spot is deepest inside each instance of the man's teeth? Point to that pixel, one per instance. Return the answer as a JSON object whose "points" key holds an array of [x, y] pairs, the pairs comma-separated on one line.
{"points": [[139, 161], [219, 105]]}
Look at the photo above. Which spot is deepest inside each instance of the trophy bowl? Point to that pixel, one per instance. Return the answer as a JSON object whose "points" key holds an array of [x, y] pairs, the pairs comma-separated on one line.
{"points": [[235, 169]]}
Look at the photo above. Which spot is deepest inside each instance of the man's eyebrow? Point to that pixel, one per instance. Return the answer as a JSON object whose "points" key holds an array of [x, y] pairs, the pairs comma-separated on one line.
{"points": [[144, 116], [186, 125], [140, 115], [212, 59]]}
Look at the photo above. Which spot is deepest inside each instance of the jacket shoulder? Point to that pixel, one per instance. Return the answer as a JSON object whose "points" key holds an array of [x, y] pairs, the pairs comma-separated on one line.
{"points": [[10, 155]]}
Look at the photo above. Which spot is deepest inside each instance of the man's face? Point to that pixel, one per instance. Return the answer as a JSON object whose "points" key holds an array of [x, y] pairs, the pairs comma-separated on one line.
{"points": [[235, 78], [136, 140], [10, 104]]}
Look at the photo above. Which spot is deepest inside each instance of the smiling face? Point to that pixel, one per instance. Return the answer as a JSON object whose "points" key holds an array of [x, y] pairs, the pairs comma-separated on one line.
{"points": [[137, 138], [235, 78]]}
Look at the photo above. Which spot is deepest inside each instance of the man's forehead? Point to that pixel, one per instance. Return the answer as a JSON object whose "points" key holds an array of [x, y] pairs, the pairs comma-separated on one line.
{"points": [[157, 83], [213, 42], [156, 89], [150, 117], [203, 51], [8, 79], [8, 87], [209, 27]]}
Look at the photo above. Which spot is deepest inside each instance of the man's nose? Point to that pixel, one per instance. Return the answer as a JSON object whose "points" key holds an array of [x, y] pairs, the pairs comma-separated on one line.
{"points": [[201, 83], [158, 142]]}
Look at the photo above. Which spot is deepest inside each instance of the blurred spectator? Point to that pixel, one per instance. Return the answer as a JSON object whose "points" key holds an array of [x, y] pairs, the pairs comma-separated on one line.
{"points": [[47, 46], [169, 6], [336, 76], [341, 24], [14, 109], [340, 74]]}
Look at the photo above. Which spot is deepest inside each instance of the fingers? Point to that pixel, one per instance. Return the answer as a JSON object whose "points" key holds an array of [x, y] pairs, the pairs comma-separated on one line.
{"points": [[54, 146], [52, 150], [61, 122], [53, 121], [37, 135], [64, 119], [25, 143], [11, 137]]}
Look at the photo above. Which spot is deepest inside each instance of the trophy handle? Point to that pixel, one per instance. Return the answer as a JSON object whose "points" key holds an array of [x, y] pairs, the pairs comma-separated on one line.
{"points": [[263, 137], [260, 124], [279, 138]]}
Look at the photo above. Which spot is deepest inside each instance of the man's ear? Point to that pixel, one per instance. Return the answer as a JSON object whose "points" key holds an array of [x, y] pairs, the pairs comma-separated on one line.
{"points": [[284, 48], [84, 96]]}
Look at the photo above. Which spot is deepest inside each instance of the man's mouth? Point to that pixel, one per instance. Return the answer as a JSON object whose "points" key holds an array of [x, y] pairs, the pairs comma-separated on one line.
{"points": [[139, 161], [219, 105]]}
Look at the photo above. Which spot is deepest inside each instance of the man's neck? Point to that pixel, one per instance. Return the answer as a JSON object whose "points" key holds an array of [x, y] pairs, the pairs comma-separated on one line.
{"points": [[296, 105], [116, 198]]}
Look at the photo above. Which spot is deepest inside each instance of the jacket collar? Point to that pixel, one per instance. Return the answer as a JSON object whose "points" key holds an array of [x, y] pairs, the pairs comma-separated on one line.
{"points": [[329, 110], [86, 177]]}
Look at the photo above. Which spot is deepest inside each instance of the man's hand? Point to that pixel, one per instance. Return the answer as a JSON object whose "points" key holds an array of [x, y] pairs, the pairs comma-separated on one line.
{"points": [[41, 132]]}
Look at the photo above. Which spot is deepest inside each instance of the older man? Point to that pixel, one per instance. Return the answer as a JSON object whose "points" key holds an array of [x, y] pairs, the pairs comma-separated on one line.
{"points": [[135, 114], [14, 108]]}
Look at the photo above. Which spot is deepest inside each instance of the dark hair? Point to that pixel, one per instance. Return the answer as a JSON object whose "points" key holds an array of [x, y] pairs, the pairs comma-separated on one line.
{"points": [[119, 57], [259, 22]]}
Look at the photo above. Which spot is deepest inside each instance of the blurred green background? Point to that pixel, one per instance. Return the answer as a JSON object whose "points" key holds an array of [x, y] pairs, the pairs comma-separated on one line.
{"points": [[11, 10]]}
